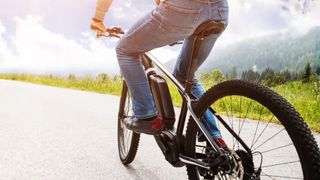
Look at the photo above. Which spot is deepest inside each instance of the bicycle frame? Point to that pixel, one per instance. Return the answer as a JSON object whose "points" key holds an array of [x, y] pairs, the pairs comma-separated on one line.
{"points": [[188, 99], [150, 62]]}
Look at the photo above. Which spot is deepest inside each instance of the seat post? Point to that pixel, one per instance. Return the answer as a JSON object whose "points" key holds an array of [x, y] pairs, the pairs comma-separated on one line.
{"points": [[193, 64], [205, 29]]}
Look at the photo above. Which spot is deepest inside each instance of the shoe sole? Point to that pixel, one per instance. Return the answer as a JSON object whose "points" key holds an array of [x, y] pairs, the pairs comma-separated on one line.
{"points": [[145, 131]]}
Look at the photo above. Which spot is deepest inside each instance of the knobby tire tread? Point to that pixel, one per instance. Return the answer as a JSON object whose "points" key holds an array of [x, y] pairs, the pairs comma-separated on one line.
{"points": [[304, 142]]}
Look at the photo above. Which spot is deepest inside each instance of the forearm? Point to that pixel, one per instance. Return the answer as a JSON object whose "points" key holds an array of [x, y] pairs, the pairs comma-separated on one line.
{"points": [[101, 9]]}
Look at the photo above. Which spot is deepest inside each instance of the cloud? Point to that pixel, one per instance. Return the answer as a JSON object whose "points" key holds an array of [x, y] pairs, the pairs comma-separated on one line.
{"points": [[305, 16], [37, 50], [127, 12], [45, 44], [258, 18], [4, 50], [40, 51]]}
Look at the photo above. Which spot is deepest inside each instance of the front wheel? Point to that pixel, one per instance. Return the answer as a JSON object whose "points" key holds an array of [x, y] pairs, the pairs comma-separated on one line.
{"points": [[279, 143], [128, 141]]}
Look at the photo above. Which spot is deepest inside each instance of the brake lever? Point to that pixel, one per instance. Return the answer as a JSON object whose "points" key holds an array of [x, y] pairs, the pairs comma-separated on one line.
{"points": [[176, 43], [112, 32], [117, 30]]}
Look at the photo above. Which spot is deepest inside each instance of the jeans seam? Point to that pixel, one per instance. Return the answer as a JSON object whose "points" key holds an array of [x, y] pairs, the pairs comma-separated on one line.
{"points": [[209, 7], [206, 1], [180, 9], [220, 13], [137, 28], [171, 7]]}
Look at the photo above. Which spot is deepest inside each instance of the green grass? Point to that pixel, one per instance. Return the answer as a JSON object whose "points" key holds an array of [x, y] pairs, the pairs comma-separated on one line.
{"points": [[104, 85], [303, 96]]}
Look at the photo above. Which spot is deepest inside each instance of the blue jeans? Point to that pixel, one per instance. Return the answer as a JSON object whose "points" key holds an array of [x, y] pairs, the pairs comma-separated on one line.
{"points": [[171, 21]]}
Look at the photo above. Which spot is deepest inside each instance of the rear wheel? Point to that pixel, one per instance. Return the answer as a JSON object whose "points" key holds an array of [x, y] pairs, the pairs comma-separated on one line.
{"points": [[280, 145], [128, 141]]}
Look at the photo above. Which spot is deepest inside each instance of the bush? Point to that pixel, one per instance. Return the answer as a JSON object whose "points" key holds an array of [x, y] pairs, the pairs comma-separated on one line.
{"points": [[213, 77], [72, 77], [316, 82], [102, 78]]}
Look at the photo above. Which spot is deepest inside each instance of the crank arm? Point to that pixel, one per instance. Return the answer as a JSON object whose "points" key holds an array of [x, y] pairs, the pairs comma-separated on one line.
{"points": [[195, 162], [191, 161]]}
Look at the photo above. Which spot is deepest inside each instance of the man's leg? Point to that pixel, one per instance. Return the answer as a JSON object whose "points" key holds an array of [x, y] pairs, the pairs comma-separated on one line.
{"points": [[148, 33], [181, 71]]}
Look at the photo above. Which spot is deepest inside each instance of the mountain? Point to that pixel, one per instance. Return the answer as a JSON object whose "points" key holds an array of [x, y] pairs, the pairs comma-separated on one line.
{"points": [[289, 50]]}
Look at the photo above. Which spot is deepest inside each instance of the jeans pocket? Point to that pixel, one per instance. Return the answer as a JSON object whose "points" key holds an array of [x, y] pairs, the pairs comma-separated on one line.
{"points": [[179, 18]]}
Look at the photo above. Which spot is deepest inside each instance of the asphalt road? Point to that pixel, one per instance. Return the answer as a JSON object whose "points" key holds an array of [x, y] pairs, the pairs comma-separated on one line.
{"points": [[55, 133]]}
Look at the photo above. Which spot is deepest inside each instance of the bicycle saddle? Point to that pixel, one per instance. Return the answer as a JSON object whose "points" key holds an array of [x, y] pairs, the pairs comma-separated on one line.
{"points": [[210, 27]]}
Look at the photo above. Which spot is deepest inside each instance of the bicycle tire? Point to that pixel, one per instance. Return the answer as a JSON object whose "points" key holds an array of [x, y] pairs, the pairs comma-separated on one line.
{"points": [[303, 141], [127, 148]]}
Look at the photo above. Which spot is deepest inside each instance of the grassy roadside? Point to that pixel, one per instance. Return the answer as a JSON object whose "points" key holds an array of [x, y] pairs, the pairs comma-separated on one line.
{"points": [[303, 96], [101, 84]]}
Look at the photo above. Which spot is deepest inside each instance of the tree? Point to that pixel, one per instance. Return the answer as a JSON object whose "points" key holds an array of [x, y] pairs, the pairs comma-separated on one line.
{"points": [[286, 75], [318, 70], [250, 75], [307, 73], [234, 73], [267, 74]]}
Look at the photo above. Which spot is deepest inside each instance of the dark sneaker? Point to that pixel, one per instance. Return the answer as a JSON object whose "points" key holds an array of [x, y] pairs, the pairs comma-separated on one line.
{"points": [[221, 143], [147, 126]]}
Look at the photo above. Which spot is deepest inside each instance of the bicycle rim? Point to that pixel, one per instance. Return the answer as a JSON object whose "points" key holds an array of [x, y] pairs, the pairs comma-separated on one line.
{"points": [[128, 140]]}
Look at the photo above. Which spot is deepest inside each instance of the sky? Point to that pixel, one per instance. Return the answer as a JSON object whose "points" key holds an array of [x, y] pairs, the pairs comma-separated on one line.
{"points": [[53, 37]]}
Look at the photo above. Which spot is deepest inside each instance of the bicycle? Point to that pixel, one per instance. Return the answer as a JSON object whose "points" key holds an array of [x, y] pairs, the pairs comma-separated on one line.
{"points": [[278, 131]]}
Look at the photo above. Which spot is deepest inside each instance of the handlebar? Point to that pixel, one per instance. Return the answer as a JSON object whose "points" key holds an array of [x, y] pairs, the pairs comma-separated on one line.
{"points": [[112, 32]]}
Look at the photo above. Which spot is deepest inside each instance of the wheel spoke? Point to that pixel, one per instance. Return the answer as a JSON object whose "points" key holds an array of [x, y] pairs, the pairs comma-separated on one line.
{"points": [[231, 109], [286, 177], [255, 132], [279, 164], [245, 117], [239, 120], [280, 147], [264, 174], [263, 130], [269, 139], [225, 107]]}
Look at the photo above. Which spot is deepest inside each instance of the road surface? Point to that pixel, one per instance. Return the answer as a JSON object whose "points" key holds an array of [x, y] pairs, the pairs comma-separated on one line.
{"points": [[56, 133]]}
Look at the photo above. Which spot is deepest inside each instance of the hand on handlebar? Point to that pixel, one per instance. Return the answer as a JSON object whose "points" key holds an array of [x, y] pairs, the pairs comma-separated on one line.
{"points": [[99, 28]]}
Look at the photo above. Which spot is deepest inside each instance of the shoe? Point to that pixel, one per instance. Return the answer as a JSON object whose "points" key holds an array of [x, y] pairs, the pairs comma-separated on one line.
{"points": [[221, 143], [218, 140], [147, 126]]}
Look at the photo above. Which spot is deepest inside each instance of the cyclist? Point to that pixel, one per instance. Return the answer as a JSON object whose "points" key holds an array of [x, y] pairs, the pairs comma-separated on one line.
{"points": [[169, 22]]}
